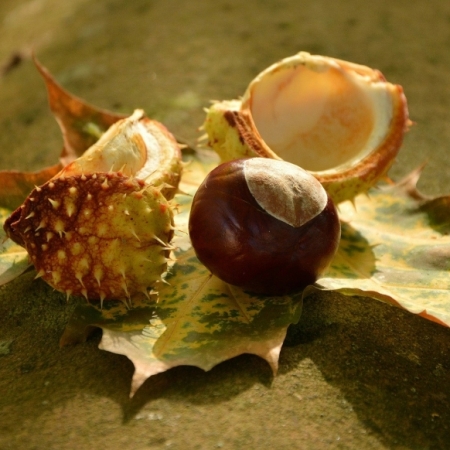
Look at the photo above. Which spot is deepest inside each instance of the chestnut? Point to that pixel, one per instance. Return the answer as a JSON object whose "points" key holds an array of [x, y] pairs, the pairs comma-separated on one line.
{"points": [[264, 225]]}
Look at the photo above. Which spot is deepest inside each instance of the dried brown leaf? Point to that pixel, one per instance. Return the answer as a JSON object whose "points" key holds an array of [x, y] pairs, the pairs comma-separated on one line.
{"points": [[15, 186], [81, 123]]}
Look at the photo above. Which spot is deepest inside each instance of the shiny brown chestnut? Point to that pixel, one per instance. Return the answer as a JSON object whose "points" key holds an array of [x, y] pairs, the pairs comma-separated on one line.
{"points": [[264, 225]]}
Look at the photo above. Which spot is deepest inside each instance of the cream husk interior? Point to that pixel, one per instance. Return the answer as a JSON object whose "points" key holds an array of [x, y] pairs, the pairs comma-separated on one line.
{"points": [[127, 146], [317, 114]]}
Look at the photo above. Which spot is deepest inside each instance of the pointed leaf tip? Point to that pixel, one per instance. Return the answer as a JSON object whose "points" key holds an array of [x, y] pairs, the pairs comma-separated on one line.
{"points": [[75, 117]]}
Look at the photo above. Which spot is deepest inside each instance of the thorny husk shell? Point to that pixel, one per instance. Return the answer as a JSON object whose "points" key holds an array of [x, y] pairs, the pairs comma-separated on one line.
{"points": [[341, 121], [102, 227]]}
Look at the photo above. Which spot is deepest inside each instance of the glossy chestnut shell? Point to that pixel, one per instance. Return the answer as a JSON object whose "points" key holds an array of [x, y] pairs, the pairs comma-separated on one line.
{"points": [[239, 238]]}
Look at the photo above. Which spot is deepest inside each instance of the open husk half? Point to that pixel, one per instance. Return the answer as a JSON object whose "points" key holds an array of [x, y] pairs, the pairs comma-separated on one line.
{"points": [[342, 122]]}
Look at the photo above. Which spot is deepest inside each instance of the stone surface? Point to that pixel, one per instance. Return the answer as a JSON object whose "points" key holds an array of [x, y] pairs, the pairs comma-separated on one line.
{"points": [[354, 373]]}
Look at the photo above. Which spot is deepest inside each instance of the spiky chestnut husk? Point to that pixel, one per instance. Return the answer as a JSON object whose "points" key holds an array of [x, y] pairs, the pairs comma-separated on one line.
{"points": [[266, 226], [102, 226], [342, 122], [103, 235]]}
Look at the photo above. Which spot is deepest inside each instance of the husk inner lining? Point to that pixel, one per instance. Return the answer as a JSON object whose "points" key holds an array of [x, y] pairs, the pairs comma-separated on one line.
{"points": [[319, 120]]}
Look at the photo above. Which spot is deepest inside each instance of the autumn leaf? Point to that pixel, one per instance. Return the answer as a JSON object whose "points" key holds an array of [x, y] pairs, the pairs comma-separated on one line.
{"points": [[388, 239], [198, 320], [15, 185], [201, 321], [81, 125], [395, 247]]}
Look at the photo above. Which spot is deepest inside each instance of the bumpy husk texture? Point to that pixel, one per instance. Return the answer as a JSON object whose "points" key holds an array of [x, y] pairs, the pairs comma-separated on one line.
{"points": [[102, 226]]}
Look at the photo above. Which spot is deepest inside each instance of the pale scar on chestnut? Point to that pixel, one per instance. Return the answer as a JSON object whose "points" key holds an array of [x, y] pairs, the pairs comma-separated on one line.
{"points": [[97, 235]]}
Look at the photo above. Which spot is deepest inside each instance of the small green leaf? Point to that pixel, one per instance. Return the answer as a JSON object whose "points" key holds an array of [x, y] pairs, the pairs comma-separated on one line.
{"points": [[13, 257]]}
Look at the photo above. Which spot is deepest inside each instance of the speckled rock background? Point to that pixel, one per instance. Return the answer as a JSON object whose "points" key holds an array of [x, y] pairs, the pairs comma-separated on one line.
{"points": [[354, 373]]}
